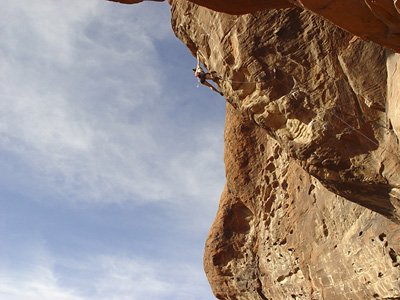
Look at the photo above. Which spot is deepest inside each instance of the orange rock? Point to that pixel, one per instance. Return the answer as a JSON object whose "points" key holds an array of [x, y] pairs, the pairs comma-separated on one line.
{"points": [[279, 234], [314, 135], [374, 20], [240, 7], [311, 206]]}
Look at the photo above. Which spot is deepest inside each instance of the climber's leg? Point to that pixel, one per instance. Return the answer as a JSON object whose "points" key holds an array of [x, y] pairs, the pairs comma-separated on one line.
{"points": [[212, 88]]}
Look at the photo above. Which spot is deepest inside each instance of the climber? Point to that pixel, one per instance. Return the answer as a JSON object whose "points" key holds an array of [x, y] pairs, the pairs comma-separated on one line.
{"points": [[204, 76]]}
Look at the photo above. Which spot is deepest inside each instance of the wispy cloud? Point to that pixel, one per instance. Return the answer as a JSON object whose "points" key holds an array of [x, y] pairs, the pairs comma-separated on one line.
{"points": [[111, 278], [91, 114], [81, 106], [40, 286], [33, 278], [131, 279]]}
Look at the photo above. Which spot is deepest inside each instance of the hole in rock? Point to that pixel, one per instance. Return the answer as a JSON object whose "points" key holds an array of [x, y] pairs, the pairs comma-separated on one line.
{"points": [[312, 187], [393, 255], [284, 184], [382, 236]]}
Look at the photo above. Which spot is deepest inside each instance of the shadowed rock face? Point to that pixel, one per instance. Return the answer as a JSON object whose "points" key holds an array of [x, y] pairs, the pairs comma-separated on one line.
{"points": [[375, 20], [240, 7], [311, 131]]}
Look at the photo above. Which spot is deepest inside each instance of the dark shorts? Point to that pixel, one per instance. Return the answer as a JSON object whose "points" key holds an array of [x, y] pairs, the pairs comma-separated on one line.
{"points": [[202, 78]]}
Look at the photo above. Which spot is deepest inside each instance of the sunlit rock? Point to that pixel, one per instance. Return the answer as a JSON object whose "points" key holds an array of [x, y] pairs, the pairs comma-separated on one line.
{"points": [[311, 206]]}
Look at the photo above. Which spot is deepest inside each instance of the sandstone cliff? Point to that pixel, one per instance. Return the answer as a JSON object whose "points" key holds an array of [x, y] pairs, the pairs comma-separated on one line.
{"points": [[311, 207], [375, 20], [313, 132]]}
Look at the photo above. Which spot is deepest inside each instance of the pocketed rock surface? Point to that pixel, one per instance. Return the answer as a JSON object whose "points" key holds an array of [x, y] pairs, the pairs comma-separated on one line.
{"points": [[280, 234], [311, 205]]}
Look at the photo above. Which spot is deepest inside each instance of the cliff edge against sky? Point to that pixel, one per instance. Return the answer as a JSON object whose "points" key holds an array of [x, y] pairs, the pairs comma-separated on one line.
{"points": [[311, 207]]}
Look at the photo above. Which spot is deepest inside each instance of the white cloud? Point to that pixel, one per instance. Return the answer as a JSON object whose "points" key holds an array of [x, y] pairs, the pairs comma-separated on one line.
{"points": [[32, 279], [103, 277], [81, 106], [42, 28], [85, 115], [37, 288]]}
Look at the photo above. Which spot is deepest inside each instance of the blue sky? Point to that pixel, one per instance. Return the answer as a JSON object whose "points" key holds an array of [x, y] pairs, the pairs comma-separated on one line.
{"points": [[111, 159]]}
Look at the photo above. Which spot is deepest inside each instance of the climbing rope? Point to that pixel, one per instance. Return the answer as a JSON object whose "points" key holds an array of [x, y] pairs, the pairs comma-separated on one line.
{"points": [[365, 136]]}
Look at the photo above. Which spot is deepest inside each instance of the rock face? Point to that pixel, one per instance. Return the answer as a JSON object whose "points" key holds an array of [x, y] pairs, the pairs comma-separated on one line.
{"points": [[240, 7], [279, 234], [311, 207], [375, 20], [324, 96]]}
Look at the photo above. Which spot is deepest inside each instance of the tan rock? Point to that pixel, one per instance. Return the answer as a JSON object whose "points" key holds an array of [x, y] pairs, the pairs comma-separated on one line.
{"points": [[311, 206], [375, 20], [321, 97], [315, 132], [279, 234], [240, 7]]}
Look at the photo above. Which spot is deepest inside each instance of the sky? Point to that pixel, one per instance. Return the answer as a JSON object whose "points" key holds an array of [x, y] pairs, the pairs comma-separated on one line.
{"points": [[111, 158]]}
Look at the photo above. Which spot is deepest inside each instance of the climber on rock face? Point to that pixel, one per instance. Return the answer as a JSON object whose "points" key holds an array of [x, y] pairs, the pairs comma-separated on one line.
{"points": [[204, 76]]}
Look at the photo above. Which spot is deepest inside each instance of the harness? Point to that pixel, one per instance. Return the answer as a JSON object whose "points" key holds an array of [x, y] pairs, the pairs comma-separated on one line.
{"points": [[202, 77], [200, 74]]}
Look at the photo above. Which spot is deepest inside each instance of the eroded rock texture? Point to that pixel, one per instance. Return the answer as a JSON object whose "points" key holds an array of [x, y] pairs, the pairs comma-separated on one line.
{"points": [[312, 131], [240, 7], [375, 20], [279, 234], [311, 207], [322, 94]]}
